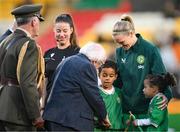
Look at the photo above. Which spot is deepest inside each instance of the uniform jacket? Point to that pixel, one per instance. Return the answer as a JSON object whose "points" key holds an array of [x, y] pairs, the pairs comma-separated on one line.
{"points": [[19, 104], [75, 95]]}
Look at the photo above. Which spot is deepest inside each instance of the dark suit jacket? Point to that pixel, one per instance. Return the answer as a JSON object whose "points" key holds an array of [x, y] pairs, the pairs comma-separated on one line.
{"points": [[7, 33], [19, 105], [75, 95]]}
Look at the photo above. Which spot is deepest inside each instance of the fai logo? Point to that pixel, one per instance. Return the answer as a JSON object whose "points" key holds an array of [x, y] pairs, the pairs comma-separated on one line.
{"points": [[140, 59]]}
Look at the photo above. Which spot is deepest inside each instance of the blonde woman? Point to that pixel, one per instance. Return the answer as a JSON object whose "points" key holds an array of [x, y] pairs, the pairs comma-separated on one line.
{"points": [[135, 59]]}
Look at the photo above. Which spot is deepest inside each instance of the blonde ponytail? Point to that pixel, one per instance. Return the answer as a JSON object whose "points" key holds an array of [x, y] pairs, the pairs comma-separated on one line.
{"points": [[127, 18], [125, 25]]}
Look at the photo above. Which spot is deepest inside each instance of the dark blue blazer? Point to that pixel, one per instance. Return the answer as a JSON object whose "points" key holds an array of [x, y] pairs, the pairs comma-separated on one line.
{"points": [[75, 95], [7, 33]]}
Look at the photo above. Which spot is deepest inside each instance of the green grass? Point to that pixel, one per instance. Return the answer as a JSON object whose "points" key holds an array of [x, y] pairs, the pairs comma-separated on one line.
{"points": [[174, 121]]}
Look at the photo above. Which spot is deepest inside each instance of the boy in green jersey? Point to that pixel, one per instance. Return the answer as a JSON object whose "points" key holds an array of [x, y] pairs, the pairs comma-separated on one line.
{"points": [[111, 96], [154, 85]]}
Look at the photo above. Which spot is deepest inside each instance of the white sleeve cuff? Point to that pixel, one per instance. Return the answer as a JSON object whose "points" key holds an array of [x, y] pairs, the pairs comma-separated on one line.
{"points": [[154, 124], [143, 122]]}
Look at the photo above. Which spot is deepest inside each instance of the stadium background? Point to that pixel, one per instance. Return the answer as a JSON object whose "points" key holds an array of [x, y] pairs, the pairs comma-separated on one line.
{"points": [[157, 21]]}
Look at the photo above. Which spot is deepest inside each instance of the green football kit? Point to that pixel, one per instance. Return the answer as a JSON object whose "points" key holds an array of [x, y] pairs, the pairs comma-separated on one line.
{"points": [[113, 106], [158, 119]]}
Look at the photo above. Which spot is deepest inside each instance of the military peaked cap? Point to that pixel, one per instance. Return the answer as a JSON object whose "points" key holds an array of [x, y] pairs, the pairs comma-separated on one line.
{"points": [[28, 11]]}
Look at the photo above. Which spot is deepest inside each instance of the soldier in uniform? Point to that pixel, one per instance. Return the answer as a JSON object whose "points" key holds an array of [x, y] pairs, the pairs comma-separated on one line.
{"points": [[19, 73]]}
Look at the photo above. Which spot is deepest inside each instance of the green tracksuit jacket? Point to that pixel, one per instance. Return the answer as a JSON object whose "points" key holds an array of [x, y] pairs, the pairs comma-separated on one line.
{"points": [[134, 64]]}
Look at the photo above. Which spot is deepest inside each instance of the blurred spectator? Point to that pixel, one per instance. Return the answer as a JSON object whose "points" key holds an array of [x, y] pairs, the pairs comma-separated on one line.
{"points": [[172, 8]]}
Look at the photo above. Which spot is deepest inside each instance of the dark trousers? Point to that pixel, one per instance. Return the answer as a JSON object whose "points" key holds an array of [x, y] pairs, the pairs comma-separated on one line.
{"points": [[52, 126], [6, 126]]}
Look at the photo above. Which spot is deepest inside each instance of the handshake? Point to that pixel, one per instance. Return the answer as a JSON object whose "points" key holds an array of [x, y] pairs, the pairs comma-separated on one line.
{"points": [[132, 120], [38, 122], [105, 122]]}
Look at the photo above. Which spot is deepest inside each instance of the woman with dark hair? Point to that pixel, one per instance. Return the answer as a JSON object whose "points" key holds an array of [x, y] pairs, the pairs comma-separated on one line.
{"points": [[65, 36]]}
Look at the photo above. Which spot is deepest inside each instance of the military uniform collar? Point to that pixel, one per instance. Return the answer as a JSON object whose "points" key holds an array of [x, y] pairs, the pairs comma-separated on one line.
{"points": [[25, 31]]}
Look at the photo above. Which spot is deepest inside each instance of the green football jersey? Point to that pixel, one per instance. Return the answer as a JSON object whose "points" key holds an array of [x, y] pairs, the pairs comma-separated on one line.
{"points": [[158, 117], [113, 107]]}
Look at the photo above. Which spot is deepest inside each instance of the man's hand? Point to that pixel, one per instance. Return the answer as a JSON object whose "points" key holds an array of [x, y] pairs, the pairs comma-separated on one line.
{"points": [[38, 122], [106, 123]]}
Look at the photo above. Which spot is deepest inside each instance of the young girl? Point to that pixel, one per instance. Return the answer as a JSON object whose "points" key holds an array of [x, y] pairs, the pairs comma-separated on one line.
{"points": [[155, 85], [111, 95]]}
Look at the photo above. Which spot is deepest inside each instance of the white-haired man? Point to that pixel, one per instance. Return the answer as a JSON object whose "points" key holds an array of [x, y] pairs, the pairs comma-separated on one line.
{"points": [[75, 96]]}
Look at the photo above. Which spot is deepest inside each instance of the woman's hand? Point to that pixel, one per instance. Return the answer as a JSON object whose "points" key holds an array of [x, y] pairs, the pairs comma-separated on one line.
{"points": [[162, 104]]}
